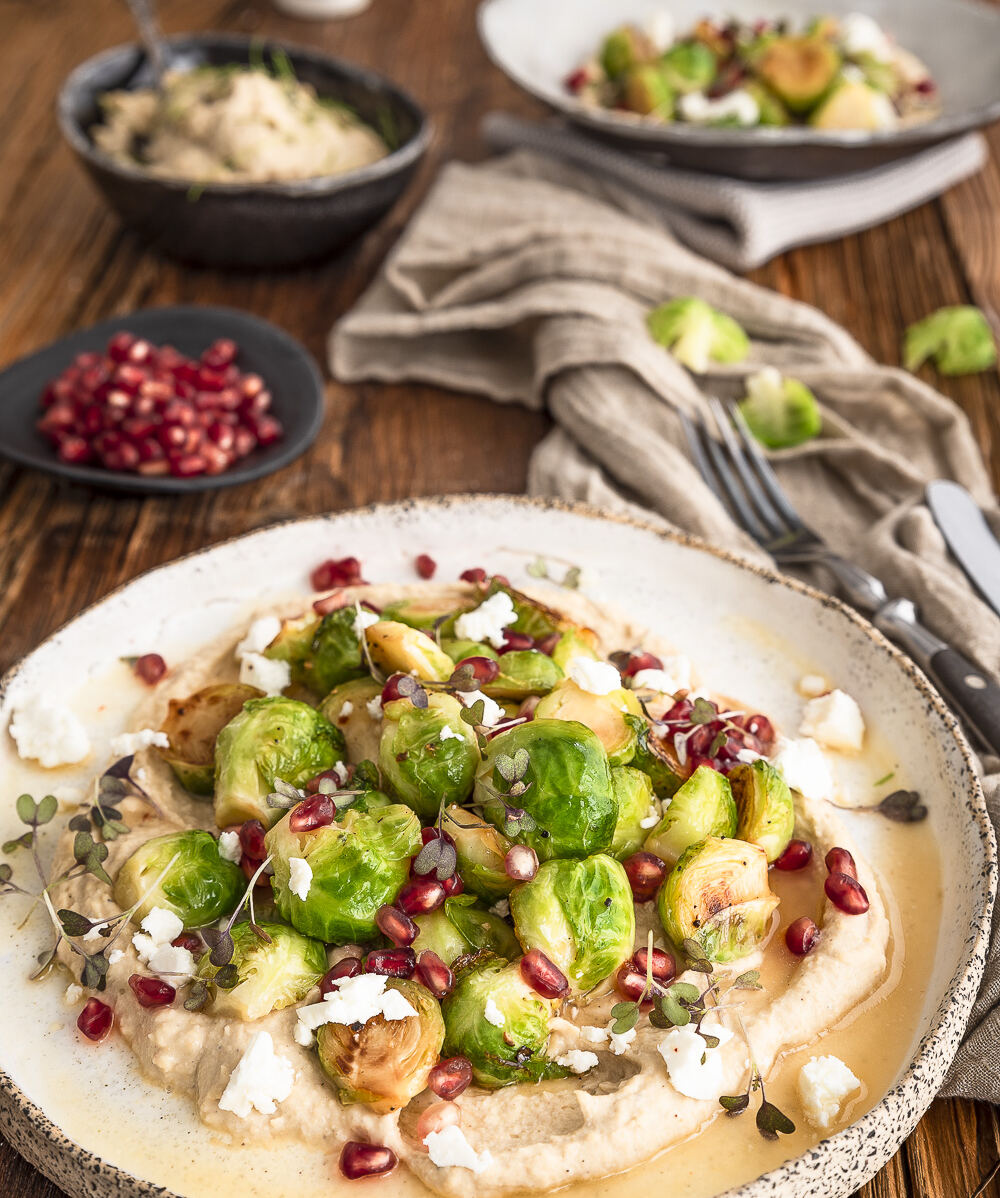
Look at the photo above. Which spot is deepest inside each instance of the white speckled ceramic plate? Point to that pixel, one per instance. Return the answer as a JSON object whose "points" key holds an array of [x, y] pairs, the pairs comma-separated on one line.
{"points": [[84, 1117]]}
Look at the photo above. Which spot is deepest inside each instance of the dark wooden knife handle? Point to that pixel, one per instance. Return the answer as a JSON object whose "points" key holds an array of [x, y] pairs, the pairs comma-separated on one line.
{"points": [[974, 694]]}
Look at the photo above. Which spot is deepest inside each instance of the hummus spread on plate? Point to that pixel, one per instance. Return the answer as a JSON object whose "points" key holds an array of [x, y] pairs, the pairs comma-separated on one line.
{"points": [[589, 860]]}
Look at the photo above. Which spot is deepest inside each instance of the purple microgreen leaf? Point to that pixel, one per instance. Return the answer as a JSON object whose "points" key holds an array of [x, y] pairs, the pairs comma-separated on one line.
{"points": [[734, 1104], [771, 1121]]}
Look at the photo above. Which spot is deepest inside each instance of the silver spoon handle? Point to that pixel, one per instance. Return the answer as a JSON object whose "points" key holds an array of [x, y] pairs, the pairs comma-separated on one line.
{"points": [[144, 15]]}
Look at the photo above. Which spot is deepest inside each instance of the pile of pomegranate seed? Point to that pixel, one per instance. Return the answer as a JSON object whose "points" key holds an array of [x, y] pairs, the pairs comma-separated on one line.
{"points": [[336, 572], [358, 1159], [693, 743], [150, 667], [95, 1020], [842, 886], [146, 409]]}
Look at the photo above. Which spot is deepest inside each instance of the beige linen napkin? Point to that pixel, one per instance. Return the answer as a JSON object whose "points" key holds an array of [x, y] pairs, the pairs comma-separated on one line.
{"points": [[528, 280]]}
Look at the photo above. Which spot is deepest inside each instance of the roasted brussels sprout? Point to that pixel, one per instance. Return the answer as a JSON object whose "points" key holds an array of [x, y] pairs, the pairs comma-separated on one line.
{"points": [[781, 412], [854, 105], [799, 70], [270, 738], [481, 851], [461, 927], [567, 788], [459, 650], [697, 334], [273, 973], [717, 895], [386, 1061], [634, 793], [357, 865], [575, 642], [193, 726], [611, 717], [646, 90], [514, 1050], [419, 611], [346, 707], [702, 807], [959, 339], [398, 647], [322, 653], [772, 111], [764, 806], [532, 618], [689, 67], [199, 888], [657, 759], [523, 672], [624, 49], [428, 754], [580, 914]]}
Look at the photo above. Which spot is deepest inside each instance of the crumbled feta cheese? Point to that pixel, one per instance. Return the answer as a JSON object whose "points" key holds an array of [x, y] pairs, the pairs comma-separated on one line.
{"points": [[804, 767], [73, 994], [824, 1083], [695, 1069], [300, 876], [364, 619], [594, 1035], [48, 733], [340, 772], [486, 622], [260, 1081], [493, 713], [447, 733], [651, 820], [501, 907], [346, 709], [174, 963], [620, 1041], [861, 34], [747, 756], [595, 677], [356, 1000], [835, 721], [266, 675], [578, 1060], [303, 1035], [675, 676], [259, 635], [162, 925], [154, 947], [230, 848], [115, 956], [374, 707], [702, 110], [127, 743], [449, 1148], [811, 686], [493, 1014]]}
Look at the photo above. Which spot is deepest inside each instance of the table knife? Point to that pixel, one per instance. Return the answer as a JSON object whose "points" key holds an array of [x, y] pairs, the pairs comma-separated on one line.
{"points": [[969, 537]]}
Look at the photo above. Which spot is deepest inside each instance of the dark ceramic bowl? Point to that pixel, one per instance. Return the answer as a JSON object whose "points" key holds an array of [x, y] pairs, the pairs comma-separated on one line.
{"points": [[247, 224]]}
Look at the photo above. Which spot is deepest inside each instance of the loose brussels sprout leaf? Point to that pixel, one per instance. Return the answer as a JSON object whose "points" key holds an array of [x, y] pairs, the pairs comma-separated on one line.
{"points": [[418, 611], [702, 807], [717, 895], [513, 1052], [696, 334], [688, 66], [959, 339], [523, 672], [657, 759], [568, 792], [420, 767], [765, 807], [624, 49], [398, 648], [358, 864], [387, 1061], [580, 914], [270, 738], [799, 70], [272, 975], [634, 792], [193, 726], [459, 650], [462, 927], [781, 412], [608, 716], [200, 887], [647, 91], [575, 642], [361, 733], [481, 851]]}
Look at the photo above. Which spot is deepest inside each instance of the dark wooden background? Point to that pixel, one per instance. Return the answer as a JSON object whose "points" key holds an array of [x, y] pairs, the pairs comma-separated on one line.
{"points": [[65, 262]]}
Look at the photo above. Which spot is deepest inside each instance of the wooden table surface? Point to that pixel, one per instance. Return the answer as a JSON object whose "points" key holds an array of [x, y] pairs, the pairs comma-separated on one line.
{"points": [[66, 263]]}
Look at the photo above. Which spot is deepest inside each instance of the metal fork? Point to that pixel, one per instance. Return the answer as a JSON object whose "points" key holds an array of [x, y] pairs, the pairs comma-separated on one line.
{"points": [[734, 466]]}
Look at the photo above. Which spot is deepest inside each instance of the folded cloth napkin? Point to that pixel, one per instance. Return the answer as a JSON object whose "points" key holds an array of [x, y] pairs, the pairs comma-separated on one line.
{"points": [[524, 280], [743, 224]]}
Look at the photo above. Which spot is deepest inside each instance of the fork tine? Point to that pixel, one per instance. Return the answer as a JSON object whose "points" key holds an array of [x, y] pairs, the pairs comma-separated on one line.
{"points": [[698, 456], [702, 443], [771, 519], [768, 479]]}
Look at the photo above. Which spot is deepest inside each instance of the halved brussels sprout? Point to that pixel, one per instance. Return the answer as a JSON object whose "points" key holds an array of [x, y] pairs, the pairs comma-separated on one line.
{"points": [[346, 707], [647, 90], [386, 1061], [781, 412], [580, 914], [322, 652], [398, 647], [534, 619], [357, 864], [459, 650], [193, 726], [623, 49], [855, 105], [575, 642], [199, 888], [799, 70], [697, 334], [717, 895], [606, 715], [568, 791], [270, 738], [634, 792], [461, 927], [421, 766], [657, 759], [765, 807], [689, 66], [481, 851], [505, 1054], [702, 807], [272, 975], [523, 672]]}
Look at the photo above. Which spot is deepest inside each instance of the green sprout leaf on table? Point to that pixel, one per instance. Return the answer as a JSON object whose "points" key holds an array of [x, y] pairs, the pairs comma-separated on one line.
{"points": [[958, 339]]}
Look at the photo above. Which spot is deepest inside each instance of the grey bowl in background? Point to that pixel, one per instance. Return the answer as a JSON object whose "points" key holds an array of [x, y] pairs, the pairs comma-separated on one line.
{"points": [[247, 224]]}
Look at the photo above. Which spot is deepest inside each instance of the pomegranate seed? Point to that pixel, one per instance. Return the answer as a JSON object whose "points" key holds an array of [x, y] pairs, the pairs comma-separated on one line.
{"points": [[450, 1077], [150, 667], [797, 855], [429, 834], [217, 461], [75, 450], [347, 967], [358, 1159], [396, 924], [392, 962], [252, 840], [434, 974], [645, 873], [521, 863], [252, 384], [475, 574], [245, 441], [516, 641], [220, 353], [151, 992], [189, 940], [317, 812], [210, 380], [801, 936], [542, 975], [119, 345], [153, 468], [925, 87], [187, 465], [141, 351], [639, 661], [846, 893], [391, 691], [269, 430], [95, 1020], [630, 983], [840, 861], [437, 1117], [453, 885], [425, 565], [664, 968], [548, 643], [340, 572], [484, 669], [422, 896], [336, 777], [576, 80]]}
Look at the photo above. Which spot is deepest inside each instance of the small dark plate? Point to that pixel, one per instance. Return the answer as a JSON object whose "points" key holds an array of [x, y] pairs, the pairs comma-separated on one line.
{"points": [[247, 224], [288, 370]]}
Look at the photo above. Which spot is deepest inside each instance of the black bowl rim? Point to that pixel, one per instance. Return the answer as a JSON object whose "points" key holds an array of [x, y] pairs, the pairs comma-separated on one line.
{"points": [[394, 162]]}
